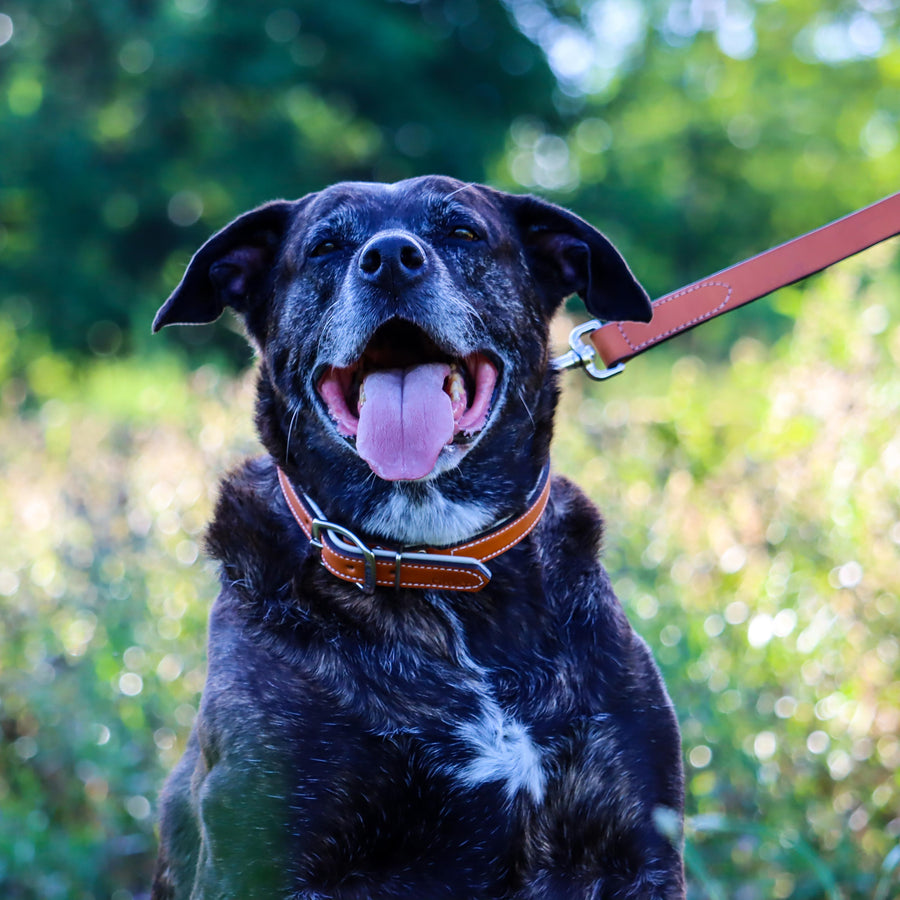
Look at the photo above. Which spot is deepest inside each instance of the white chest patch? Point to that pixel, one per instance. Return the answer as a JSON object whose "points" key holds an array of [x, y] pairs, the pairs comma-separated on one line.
{"points": [[503, 751], [435, 520]]}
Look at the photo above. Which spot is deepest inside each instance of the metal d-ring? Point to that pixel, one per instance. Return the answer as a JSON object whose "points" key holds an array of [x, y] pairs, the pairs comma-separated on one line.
{"points": [[583, 355]]}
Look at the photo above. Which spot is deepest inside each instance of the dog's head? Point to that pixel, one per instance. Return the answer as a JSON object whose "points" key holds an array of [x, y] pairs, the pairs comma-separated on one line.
{"points": [[402, 331]]}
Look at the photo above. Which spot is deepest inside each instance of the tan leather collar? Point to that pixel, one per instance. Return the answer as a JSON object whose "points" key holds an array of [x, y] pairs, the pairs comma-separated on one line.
{"points": [[458, 568]]}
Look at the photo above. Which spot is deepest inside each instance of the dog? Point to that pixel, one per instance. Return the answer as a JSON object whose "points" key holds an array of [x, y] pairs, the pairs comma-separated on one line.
{"points": [[420, 682]]}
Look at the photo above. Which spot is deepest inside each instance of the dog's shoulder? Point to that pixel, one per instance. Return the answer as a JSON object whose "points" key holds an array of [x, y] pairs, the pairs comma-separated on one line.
{"points": [[579, 587], [258, 553], [571, 530], [242, 522]]}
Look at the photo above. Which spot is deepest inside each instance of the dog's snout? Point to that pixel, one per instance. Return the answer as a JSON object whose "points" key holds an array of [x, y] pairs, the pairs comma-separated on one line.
{"points": [[392, 260]]}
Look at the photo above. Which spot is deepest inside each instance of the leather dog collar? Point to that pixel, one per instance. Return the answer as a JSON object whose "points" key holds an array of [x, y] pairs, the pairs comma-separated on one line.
{"points": [[457, 568]]}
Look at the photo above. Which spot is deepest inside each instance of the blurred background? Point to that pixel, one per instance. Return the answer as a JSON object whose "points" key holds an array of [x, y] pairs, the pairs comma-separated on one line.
{"points": [[749, 471]]}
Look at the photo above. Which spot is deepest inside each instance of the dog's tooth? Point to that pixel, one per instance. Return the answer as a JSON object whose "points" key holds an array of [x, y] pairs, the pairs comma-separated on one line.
{"points": [[362, 397], [455, 385]]}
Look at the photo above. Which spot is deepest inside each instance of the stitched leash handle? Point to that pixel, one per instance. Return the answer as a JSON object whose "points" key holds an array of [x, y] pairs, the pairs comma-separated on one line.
{"points": [[675, 313]]}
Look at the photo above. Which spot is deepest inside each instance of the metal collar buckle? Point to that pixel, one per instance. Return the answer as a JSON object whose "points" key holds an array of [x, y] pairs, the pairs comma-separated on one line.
{"points": [[348, 542], [368, 554], [583, 355]]}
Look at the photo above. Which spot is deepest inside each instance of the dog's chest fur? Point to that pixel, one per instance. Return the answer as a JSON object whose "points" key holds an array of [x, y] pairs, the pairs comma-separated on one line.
{"points": [[432, 719]]}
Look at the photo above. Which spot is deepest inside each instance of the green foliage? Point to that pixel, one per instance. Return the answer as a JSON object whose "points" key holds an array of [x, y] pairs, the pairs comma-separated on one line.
{"points": [[131, 131], [703, 133], [753, 530], [694, 133], [108, 472]]}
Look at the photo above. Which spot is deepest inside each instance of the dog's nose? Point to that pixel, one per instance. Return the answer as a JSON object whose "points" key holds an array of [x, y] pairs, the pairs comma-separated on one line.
{"points": [[392, 260]]}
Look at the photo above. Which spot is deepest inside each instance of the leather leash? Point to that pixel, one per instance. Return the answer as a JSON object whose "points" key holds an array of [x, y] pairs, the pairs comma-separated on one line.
{"points": [[616, 342], [458, 568]]}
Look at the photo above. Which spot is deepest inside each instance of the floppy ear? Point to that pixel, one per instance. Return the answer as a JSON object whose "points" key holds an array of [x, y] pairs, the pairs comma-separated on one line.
{"points": [[230, 269], [568, 256]]}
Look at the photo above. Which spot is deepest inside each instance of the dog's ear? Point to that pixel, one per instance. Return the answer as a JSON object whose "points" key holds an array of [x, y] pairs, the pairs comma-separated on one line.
{"points": [[230, 269], [568, 256]]}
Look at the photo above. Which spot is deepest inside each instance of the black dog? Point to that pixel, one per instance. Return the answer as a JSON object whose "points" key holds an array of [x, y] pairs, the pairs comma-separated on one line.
{"points": [[455, 729]]}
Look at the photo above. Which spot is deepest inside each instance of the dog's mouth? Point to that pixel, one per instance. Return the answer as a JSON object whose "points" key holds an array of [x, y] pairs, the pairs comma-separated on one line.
{"points": [[405, 401]]}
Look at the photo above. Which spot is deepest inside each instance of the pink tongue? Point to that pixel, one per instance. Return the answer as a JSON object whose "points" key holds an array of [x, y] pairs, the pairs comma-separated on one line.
{"points": [[405, 422]]}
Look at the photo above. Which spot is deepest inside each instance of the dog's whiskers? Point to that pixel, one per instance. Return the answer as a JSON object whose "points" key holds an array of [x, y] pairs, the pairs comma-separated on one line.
{"points": [[291, 431], [459, 190], [524, 402]]}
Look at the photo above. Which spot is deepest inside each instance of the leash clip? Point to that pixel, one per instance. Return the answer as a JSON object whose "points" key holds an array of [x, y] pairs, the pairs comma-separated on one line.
{"points": [[584, 356]]}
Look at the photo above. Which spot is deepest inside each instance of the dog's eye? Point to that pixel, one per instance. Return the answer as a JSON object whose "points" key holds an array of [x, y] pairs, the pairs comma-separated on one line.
{"points": [[323, 248], [463, 233]]}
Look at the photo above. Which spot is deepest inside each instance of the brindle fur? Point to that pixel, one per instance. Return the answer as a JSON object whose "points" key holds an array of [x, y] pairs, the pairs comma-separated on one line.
{"points": [[513, 743]]}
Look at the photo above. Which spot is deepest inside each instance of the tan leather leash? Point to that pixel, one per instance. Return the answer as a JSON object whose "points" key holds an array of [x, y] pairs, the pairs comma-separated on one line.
{"points": [[616, 342], [458, 568]]}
